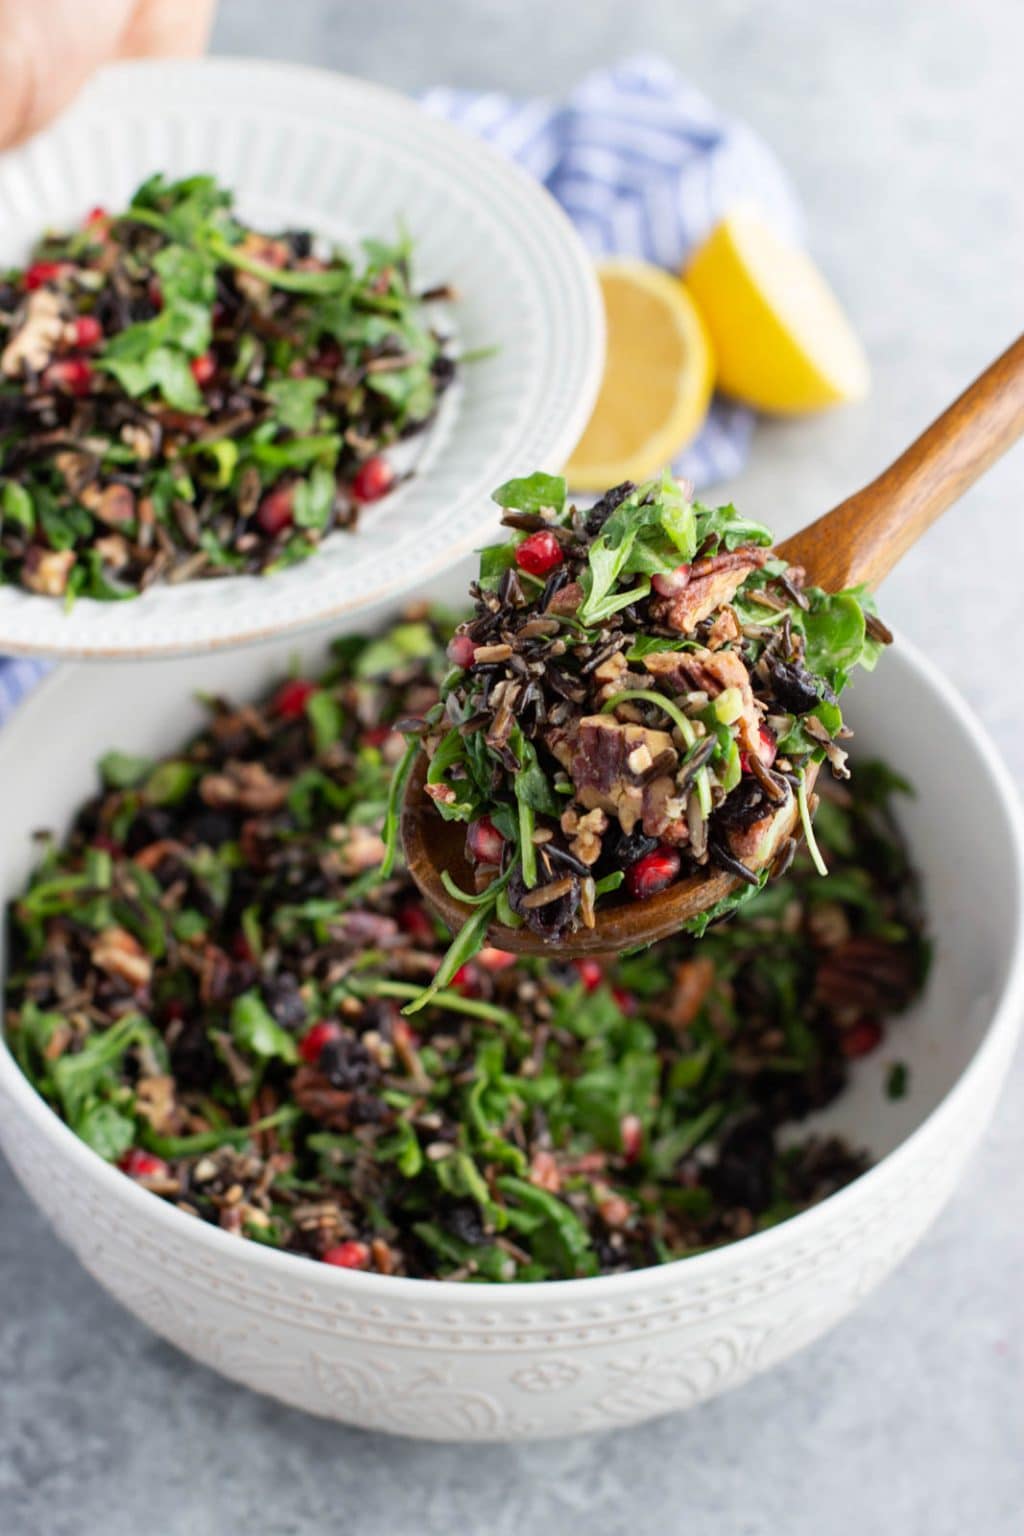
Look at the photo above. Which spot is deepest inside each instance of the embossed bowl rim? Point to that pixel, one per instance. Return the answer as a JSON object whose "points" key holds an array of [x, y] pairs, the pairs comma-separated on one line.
{"points": [[1002, 1026]]}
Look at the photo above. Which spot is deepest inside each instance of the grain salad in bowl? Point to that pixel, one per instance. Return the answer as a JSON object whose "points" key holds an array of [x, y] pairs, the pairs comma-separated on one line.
{"points": [[183, 396], [206, 982], [643, 693]]}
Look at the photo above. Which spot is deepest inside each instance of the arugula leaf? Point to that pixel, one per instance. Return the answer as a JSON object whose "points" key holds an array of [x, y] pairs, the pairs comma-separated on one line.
{"points": [[326, 719], [256, 1030], [120, 770], [295, 402], [532, 493], [163, 368]]}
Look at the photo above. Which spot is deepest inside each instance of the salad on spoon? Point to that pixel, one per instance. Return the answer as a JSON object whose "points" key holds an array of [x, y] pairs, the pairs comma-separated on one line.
{"points": [[642, 695]]}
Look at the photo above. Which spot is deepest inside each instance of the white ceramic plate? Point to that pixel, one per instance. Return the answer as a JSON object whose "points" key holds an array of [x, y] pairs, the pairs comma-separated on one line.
{"points": [[304, 148], [479, 1362]]}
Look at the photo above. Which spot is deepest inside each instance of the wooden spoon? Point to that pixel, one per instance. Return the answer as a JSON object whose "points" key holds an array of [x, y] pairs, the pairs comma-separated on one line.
{"points": [[856, 543]]}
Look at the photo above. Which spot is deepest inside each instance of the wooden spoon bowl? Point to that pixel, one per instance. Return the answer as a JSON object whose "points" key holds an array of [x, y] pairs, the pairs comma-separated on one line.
{"points": [[857, 543]]}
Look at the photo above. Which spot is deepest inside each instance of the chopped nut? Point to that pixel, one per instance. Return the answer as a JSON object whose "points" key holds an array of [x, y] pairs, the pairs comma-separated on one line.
{"points": [[34, 342], [119, 953], [47, 570], [248, 785]]}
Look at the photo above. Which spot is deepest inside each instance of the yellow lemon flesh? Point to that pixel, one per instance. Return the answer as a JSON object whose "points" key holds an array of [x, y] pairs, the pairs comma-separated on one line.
{"points": [[658, 378], [781, 341]]}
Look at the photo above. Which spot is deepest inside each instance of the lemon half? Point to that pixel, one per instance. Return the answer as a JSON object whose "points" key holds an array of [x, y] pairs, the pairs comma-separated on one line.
{"points": [[658, 378], [781, 340]]}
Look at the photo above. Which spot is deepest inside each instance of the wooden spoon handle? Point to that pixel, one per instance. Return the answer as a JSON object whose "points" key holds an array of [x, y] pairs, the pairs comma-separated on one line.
{"points": [[862, 539]]}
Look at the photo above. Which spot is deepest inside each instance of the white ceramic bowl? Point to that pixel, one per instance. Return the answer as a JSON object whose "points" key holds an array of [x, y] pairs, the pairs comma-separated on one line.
{"points": [[496, 1363], [303, 148]]}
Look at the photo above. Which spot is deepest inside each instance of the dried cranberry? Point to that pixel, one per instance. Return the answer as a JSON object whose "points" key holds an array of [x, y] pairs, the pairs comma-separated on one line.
{"points": [[139, 1164], [88, 332], [348, 1255], [539, 554], [463, 1220], [346, 1063], [860, 1039], [283, 997], [275, 513], [671, 582], [484, 843], [461, 651], [289, 702], [373, 479], [591, 973], [203, 367], [652, 873], [314, 1040]]}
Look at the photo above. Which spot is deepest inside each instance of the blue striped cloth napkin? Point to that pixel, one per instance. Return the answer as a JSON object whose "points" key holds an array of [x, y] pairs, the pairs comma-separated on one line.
{"points": [[644, 166]]}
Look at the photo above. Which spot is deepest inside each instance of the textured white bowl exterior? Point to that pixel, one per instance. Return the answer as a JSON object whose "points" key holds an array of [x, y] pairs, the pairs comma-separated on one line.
{"points": [[497, 1363], [305, 148]]}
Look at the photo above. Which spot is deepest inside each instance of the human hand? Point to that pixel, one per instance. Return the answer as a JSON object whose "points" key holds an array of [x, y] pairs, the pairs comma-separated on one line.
{"points": [[49, 48]]}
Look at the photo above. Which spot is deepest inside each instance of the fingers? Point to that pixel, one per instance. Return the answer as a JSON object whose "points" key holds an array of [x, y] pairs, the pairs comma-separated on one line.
{"points": [[47, 52], [175, 28]]}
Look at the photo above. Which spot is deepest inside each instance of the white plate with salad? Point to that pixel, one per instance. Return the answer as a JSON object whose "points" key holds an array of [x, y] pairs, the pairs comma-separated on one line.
{"points": [[268, 338]]}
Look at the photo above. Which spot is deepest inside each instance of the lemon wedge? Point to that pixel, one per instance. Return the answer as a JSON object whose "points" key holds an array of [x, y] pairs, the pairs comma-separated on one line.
{"points": [[781, 341], [658, 378]]}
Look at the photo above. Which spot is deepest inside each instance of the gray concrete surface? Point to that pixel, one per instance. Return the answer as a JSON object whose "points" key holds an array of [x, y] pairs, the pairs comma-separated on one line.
{"points": [[902, 123]]}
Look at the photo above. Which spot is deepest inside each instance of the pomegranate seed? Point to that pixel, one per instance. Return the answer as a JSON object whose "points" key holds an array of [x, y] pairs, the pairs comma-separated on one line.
{"points": [[539, 554], [861, 1038], [350, 1255], [495, 959], [274, 513], [652, 873], [624, 1001], [138, 1164], [461, 651], [484, 842], [767, 751], [88, 332], [289, 702], [413, 920], [466, 980], [203, 367], [241, 949], [632, 1133], [41, 272], [376, 736], [590, 973], [373, 479], [314, 1040], [669, 584], [73, 375], [96, 215]]}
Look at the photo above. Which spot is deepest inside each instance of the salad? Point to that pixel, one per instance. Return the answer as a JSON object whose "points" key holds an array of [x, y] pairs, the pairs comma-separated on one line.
{"points": [[207, 978], [182, 396], [639, 696]]}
